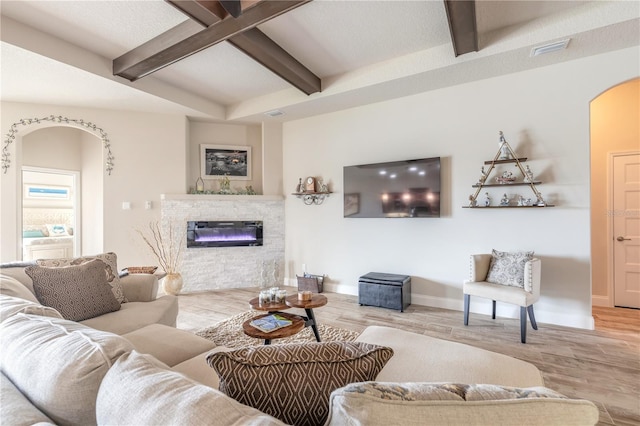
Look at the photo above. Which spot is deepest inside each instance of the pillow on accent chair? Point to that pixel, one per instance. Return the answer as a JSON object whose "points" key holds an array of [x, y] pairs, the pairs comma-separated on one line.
{"points": [[77, 292], [508, 268], [110, 259], [293, 382]]}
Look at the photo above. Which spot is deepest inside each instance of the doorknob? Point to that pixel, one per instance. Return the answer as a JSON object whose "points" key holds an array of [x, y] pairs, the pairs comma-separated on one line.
{"points": [[621, 238]]}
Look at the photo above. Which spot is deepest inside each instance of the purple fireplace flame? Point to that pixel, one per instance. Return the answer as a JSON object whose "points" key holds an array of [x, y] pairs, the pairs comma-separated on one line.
{"points": [[224, 233]]}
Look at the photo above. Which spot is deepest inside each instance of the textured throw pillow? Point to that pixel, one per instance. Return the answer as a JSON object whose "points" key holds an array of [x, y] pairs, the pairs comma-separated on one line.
{"points": [[453, 404], [508, 268], [57, 230], [58, 364], [140, 390], [77, 292], [110, 259], [9, 306], [293, 382]]}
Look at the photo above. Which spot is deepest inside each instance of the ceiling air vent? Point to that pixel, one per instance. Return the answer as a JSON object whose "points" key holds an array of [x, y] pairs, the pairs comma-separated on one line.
{"points": [[551, 47], [274, 113]]}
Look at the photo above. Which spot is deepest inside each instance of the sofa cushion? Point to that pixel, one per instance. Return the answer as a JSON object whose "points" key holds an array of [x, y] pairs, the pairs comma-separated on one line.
{"points": [[135, 315], [141, 390], [508, 268], [293, 382], [16, 408], [420, 358], [168, 344], [376, 403], [10, 306], [111, 261], [12, 287], [58, 364], [77, 292]]}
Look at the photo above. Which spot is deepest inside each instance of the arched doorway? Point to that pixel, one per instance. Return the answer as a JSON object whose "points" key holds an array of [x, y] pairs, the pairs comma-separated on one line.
{"points": [[615, 132], [94, 158]]}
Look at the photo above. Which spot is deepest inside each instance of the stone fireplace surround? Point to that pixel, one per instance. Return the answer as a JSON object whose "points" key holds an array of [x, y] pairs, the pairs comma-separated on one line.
{"points": [[209, 268]]}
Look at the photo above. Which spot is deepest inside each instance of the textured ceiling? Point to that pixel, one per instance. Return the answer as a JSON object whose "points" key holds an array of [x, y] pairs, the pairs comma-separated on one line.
{"points": [[60, 52]]}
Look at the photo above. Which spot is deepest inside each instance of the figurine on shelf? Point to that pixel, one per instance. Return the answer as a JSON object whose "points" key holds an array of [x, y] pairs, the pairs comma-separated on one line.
{"points": [[528, 175], [540, 201], [322, 187], [300, 186], [507, 177], [521, 201], [487, 199], [483, 176], [504, 201], [472, 201], [504, 148]]}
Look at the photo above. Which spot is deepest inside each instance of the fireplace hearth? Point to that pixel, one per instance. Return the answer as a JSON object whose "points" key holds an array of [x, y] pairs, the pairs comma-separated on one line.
{"points": [[214, 233]]}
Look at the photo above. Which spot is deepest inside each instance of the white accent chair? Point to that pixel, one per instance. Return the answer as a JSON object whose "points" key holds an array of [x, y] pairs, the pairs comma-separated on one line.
{"points": [[523, 297]]}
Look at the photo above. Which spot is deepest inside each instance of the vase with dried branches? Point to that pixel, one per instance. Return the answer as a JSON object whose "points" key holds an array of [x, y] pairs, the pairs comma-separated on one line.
{"points": [[166, 247]]}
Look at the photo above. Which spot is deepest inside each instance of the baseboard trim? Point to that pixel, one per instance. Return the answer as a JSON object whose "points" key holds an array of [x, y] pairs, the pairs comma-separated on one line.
{"points": [[601, 301]]}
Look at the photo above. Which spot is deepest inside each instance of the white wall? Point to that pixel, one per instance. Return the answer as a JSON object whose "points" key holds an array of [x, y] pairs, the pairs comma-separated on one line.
{"points": [[544, 114]]}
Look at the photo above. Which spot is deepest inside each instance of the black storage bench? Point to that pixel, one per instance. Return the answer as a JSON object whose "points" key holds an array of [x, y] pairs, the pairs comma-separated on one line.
{"points": [[385, 290]]}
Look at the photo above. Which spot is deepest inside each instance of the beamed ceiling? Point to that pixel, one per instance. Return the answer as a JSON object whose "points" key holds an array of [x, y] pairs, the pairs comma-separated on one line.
{"points": [[234, 60]]}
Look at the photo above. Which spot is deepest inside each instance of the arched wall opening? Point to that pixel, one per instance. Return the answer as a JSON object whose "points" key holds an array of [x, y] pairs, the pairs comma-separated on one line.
{"points": [[614, 128]]}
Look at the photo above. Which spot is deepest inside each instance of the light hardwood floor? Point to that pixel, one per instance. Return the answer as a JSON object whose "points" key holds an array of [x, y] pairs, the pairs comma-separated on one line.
{"points": [[601, 365]]}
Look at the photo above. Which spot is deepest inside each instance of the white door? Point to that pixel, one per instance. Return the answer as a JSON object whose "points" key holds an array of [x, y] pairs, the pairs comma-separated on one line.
{"points": [[626, 230]]}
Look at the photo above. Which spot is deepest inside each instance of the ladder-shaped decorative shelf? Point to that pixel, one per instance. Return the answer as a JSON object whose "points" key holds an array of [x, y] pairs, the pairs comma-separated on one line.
{"points": [[506, 155]]}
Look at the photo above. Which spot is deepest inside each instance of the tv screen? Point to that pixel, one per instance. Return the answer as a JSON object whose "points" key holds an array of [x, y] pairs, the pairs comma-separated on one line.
{"points": [[409, 188]]}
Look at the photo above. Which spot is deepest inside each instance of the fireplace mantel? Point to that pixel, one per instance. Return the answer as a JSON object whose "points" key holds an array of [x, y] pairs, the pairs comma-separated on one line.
{"points": [[218, 197]]}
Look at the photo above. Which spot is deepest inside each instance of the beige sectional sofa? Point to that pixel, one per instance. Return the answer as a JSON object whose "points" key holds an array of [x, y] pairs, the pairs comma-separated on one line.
{"points": [[132, 367]]}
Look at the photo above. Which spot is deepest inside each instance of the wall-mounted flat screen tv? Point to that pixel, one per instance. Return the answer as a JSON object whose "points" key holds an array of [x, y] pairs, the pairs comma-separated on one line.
{"points": [[409, 188]]}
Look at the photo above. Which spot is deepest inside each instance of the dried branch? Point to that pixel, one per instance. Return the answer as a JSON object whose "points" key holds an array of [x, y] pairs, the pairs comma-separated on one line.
{"points": [[166, 250]]}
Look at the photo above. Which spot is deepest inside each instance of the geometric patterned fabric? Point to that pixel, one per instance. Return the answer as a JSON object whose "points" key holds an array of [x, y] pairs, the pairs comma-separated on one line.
{"points": [[508, 268], [293, 382], [111, 261], [77, 292]]}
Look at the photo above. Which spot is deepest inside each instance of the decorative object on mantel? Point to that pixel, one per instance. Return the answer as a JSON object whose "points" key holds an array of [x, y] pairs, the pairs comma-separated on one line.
{"points": [[312, 191], [13, 130], [506, 155], [167, 250], [199, 185], [247, 190]]}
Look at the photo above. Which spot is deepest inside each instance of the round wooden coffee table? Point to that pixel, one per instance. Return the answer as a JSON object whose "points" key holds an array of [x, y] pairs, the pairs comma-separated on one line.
{"points": [[317, 300], [297, 324]]}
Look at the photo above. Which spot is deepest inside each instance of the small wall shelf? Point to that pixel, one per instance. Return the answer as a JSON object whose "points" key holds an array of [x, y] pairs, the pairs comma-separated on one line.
{"points": [[312, 197]]}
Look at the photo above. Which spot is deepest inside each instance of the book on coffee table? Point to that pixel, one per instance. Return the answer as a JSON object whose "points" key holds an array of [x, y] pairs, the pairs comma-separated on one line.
{"points": [[270, 323]]}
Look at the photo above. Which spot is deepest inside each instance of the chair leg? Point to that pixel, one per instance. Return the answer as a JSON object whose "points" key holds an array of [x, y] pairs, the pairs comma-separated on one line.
{"points": [[523, 324], [493, 312], [466, 309], [532, 317]]}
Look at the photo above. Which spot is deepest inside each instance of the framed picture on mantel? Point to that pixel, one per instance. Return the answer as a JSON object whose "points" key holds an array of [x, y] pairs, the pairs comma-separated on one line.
{"points": [[232, 161]]}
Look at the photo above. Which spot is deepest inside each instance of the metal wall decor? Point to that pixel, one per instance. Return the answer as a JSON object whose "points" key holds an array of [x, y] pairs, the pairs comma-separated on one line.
{"points": [[13, 130]]}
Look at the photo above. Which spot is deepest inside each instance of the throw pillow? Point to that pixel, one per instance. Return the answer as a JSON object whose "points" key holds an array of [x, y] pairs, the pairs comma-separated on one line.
{"points": [[58, 364], [9, 306], [508, 268], [293, 382], [10, 286], [77, 292], [140, 390], [57, 230], [453, 404], [110, 259]]}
